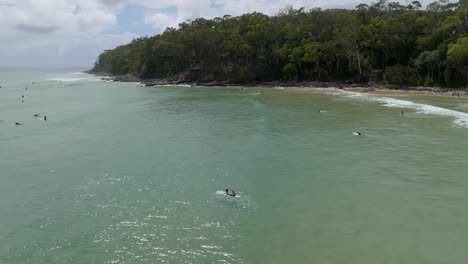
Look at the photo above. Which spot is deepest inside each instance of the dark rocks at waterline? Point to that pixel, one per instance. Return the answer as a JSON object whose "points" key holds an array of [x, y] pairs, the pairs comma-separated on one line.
{"points": [[211, 83], [125, 78], [356, 83], [187, 80], [459, 93]]}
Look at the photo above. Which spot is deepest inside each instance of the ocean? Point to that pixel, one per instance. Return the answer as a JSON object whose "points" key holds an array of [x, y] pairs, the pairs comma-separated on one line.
{"points": [[121, 173]]}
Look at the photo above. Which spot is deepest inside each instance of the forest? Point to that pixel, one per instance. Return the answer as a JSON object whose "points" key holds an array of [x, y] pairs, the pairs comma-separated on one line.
{"points": [[384, 42]]}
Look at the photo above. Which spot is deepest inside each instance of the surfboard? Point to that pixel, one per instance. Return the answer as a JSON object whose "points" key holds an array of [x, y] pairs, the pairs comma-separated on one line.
{"points": [[223, 193]]}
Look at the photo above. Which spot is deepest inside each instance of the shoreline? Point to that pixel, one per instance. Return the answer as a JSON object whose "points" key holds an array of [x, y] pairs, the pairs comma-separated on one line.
{"points": [[369, 88], [407, 92]]}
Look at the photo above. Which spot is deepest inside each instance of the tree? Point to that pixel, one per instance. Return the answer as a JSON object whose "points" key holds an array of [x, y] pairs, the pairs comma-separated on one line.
{"points": [[349, 40], [398, 44], [428, 60], [457, 56]]}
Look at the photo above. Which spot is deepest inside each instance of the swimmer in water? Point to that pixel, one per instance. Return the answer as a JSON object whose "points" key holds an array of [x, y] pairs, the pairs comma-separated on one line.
{"points": [[18, 124], [230, 193], [37, 115]]}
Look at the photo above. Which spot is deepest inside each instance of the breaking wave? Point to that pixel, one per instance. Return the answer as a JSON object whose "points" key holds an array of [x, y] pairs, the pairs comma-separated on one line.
{"points": [[460, 118]]}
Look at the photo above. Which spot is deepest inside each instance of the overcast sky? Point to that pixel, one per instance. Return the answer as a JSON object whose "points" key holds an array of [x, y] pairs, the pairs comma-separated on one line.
{"points": [[71, 33]]}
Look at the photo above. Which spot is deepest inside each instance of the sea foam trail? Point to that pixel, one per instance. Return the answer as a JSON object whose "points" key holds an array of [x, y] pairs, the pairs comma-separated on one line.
{"points": [[73, 77], [461, 118], [67, 79]]}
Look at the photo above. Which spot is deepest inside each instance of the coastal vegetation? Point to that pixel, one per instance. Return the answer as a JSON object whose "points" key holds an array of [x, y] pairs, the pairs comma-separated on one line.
{"points": [[385, 42]]}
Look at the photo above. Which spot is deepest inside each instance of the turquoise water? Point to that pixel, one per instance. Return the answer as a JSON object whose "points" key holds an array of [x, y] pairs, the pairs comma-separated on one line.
{"points": [[127, 174]]}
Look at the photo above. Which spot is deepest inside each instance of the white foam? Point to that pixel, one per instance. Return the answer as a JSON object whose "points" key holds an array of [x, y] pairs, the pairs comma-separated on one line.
{"points": [[67, 79], [461, 118]]}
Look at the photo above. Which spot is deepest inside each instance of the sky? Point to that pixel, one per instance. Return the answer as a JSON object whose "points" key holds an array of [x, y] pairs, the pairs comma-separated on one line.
{"points": [[72, 33]]}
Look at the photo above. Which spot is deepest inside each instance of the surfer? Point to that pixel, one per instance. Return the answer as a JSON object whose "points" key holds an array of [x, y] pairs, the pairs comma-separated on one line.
{"points": [[45, 118], [357, 133], [230, 193]]}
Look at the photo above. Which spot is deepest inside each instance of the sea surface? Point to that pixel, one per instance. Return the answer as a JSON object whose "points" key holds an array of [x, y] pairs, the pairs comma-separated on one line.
{"points": [[126, 174]]}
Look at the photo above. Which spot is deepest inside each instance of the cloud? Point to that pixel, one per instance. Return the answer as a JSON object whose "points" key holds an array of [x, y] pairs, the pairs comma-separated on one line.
{"points": [[160, 20], [62, 15], [35, 29], [152, 4], [24, 50], [113, 2], [46, 32]]}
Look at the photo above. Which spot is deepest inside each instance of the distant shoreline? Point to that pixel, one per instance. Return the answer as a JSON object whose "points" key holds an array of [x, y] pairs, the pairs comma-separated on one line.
{"points": [[371, 88]]}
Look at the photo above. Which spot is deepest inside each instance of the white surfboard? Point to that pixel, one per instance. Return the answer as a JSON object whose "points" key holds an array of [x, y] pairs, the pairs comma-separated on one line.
{"points": [[223, 193]]}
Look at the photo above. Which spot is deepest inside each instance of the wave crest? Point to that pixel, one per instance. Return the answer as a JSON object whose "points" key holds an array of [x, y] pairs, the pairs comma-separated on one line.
{"points": [[461, 118]]}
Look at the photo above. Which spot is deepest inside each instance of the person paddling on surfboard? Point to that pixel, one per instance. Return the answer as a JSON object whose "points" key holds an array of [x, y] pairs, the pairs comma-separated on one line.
{"points": [[230, 193]]}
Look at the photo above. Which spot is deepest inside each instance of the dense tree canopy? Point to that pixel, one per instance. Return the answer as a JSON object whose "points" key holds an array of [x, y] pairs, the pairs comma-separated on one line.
{"points": [[385, 42]]}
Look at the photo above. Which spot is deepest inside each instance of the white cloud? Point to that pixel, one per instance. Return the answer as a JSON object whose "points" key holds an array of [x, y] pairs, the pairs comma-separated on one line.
{"points": [[51, 32], [62, 15], [160, 20], [23, 50], [155, 4]]}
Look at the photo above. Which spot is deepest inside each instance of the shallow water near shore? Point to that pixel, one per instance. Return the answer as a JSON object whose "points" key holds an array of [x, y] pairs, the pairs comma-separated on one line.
{"points": [[128, 174]]}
